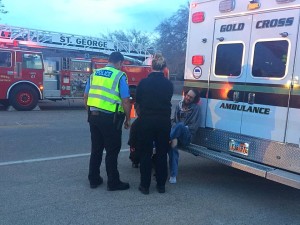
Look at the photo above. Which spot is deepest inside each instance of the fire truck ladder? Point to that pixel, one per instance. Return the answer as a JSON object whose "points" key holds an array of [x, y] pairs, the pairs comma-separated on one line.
{"points": [[41, 38]]}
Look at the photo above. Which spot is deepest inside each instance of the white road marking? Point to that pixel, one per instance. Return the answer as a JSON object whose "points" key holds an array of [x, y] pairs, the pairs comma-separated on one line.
{"points": [[49, 158], [19, 125]]}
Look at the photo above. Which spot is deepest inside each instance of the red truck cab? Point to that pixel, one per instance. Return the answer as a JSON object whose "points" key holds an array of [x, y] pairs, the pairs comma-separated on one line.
{"points": [[21, 78]]}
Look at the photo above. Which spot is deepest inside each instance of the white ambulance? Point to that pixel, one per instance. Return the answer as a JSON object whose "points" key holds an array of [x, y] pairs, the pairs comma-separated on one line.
{"points": [[244, 57]]}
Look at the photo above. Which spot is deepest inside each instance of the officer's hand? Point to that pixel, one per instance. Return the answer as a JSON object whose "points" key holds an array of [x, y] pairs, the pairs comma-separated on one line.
{"points": [[127, 124]]}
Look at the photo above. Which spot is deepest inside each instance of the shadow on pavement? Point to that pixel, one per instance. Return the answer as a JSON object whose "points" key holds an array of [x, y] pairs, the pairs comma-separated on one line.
{"points": [[61, 105]]}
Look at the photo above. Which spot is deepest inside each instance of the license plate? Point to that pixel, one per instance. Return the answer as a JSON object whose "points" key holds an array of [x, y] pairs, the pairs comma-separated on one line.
{"points": [[239, 147]]}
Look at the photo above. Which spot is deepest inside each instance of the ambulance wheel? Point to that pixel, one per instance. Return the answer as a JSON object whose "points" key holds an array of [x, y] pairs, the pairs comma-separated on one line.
{"points": [[23, 98]]}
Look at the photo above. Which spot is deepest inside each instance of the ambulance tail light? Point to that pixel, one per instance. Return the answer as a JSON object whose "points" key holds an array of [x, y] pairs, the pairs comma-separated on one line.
{"points": [[198, 60], [198, 17]]}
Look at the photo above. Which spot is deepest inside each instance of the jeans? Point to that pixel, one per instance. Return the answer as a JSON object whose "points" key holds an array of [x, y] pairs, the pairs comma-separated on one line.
{"points": [[183, 135]]}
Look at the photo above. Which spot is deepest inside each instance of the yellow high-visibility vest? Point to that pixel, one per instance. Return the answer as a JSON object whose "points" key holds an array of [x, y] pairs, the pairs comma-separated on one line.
{"points": [[104, 89]]}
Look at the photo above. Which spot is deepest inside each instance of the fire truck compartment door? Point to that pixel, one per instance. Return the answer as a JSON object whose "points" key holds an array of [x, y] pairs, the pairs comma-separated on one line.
{"points": [[228, 73], [271, 60]]}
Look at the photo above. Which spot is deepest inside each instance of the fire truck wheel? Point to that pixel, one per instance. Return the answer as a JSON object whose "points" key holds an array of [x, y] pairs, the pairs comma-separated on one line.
{"points": [[23, 98]]}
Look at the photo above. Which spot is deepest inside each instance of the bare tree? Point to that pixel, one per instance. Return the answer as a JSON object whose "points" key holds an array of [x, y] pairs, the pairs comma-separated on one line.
{"points": [[172, 40], [2, 10], [134, 36]]}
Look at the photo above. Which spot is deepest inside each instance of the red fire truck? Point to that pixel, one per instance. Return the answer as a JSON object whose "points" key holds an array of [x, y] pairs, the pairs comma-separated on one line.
{"points": [[37, 64]]}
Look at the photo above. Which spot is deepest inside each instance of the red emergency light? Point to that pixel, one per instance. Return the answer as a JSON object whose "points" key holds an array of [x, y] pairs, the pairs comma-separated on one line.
{"points": [[15, 43], [198, 17], [8, 43], [198, 60], [5, 34]]}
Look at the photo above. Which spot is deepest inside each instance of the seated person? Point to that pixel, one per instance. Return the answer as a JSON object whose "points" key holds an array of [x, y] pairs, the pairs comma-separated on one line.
{"points": [[185, 124]]}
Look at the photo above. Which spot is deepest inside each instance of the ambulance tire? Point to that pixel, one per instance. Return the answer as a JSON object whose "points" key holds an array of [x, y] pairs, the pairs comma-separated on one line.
{"points": [[23, 97]]}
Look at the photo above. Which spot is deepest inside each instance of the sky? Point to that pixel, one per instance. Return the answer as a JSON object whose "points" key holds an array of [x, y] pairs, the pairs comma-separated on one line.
{"points": [[88, 17]]}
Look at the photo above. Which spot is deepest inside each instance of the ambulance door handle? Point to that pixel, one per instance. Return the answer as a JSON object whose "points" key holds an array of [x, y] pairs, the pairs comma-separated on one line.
{"points": [[221, 38], [251, 98], [284, 34], [295, 80], [236, 96]]}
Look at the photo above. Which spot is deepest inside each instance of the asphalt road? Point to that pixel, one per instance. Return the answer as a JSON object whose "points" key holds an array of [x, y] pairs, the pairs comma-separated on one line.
{"points": [[43, 180]]}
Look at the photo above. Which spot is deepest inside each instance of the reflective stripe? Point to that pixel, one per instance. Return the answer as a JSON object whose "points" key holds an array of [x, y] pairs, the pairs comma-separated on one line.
{"points": [[116, 81], [91, 78], [104, 98], [110, 91]]}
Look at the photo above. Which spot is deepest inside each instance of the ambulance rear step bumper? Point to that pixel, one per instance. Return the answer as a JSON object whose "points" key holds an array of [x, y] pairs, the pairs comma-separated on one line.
{"points": [[270, 173]]}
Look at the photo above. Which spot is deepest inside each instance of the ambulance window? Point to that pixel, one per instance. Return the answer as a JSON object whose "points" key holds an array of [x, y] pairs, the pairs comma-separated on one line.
{"points": [[32, 61], [229, 59], [5, 59], [270, 59]]}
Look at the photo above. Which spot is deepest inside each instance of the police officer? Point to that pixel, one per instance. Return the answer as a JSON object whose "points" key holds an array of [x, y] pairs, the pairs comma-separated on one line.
{"points": [[107, 97], [153, 96]]}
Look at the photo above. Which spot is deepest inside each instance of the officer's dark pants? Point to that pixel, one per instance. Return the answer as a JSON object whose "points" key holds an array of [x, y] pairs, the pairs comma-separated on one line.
{"points": [[104, 135], [153, 129]]}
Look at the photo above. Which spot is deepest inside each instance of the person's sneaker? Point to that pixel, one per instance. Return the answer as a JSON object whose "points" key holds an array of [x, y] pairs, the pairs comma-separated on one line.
{"points": [[172, 180], [160, 189], [94, 185], [119, 187], [144, 190]]}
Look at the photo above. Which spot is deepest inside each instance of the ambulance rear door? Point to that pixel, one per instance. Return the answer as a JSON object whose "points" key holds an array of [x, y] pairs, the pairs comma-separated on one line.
{"points": [[231, 40], [292, 133], [267, 89]]}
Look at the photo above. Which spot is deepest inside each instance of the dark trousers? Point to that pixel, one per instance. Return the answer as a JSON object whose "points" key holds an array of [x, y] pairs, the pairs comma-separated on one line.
{"points": [[153, 129], [132, 142], [104, 134]]}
